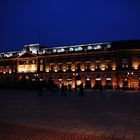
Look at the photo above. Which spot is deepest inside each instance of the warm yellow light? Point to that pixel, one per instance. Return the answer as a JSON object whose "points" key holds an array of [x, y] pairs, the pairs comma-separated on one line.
{"points": [[92, 69], [103, 68], [83, 69], [78, 82], [113, 68], [27, 68], [73, 69], [135, 65]]}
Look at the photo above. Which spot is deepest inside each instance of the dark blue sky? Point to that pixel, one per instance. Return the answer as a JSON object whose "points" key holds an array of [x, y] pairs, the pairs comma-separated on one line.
{"points": [[67, 22]]}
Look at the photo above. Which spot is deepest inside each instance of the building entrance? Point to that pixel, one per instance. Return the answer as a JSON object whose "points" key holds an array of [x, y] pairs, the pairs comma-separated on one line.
{"points": [[125, 84], [88, 82], [109, 83]]}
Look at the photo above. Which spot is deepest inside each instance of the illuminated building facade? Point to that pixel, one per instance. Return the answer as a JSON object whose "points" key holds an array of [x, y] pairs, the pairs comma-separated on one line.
{"points": [[109, 65]]}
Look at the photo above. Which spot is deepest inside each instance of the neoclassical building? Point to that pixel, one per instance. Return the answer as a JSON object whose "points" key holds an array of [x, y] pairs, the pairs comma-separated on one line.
{"points": [[108, 64]]}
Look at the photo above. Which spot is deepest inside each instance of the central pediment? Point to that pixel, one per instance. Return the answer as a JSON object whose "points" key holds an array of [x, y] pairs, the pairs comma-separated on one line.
{"points": [[27, 54]]}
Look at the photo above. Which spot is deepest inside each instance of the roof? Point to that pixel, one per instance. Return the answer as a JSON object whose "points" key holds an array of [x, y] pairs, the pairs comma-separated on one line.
{"points": [[127, 44], [102, 46]]}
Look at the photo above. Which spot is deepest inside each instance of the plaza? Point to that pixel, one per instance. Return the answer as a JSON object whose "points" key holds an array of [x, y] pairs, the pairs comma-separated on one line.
{"points": [[108, 115]]}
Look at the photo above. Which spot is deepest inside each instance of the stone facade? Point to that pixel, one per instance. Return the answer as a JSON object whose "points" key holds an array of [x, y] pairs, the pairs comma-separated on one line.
{"points": [[110, 65]]}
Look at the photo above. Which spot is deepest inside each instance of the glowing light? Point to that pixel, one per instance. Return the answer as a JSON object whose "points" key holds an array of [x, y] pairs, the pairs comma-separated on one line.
{"points": [[10, 71], [27, 77], [135, 65], [83, 69], [73, 69], [32, 45], [34, 51], [103, 68], [98, 79], [78, 82], [54, 50], [88, 78], [61, 50], [27, 68], [92, 69], [128, 73], [60, 79], [8, 55], [89, 47], [97, 47], [108, 46], [47, 70], [108, 79], [79, 49], [71, 49], [113, 68]]}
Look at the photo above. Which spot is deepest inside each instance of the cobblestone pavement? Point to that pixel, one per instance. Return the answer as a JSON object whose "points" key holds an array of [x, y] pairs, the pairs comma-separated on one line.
{"points": [[106, 116]]}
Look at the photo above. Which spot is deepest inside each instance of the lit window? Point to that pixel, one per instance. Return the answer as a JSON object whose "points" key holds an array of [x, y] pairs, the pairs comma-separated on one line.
{"points": [[71, 49], [54, 50], [98, 79], [92, 69], [89, 48], [33, 61], [68, 66], [97, 47], [79, 49], [125, 63], [41, 67], [108, 46], [88, 78], [41, 61], [61, 50]]}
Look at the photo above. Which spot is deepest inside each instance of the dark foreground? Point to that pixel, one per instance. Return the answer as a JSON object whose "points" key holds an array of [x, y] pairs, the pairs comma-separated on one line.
{"points": [[96, 116], [16, 132]]}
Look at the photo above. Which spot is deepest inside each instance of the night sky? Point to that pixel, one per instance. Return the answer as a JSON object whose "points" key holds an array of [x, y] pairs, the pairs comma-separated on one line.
{"points": [[67, 22]]}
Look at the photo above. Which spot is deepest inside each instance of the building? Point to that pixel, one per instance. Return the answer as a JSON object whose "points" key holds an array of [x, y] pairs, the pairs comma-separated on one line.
{"points": [[108, 65]]}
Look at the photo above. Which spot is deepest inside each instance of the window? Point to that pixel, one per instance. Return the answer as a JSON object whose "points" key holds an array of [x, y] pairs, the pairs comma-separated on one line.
{"points": [[22, 62], [125, 63], [41, 61], [108, 65], [97, 65], [51, 67], [69, 67], [41, 67], [33, 61], [88, 66], [78, 66], [60, 67]]}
